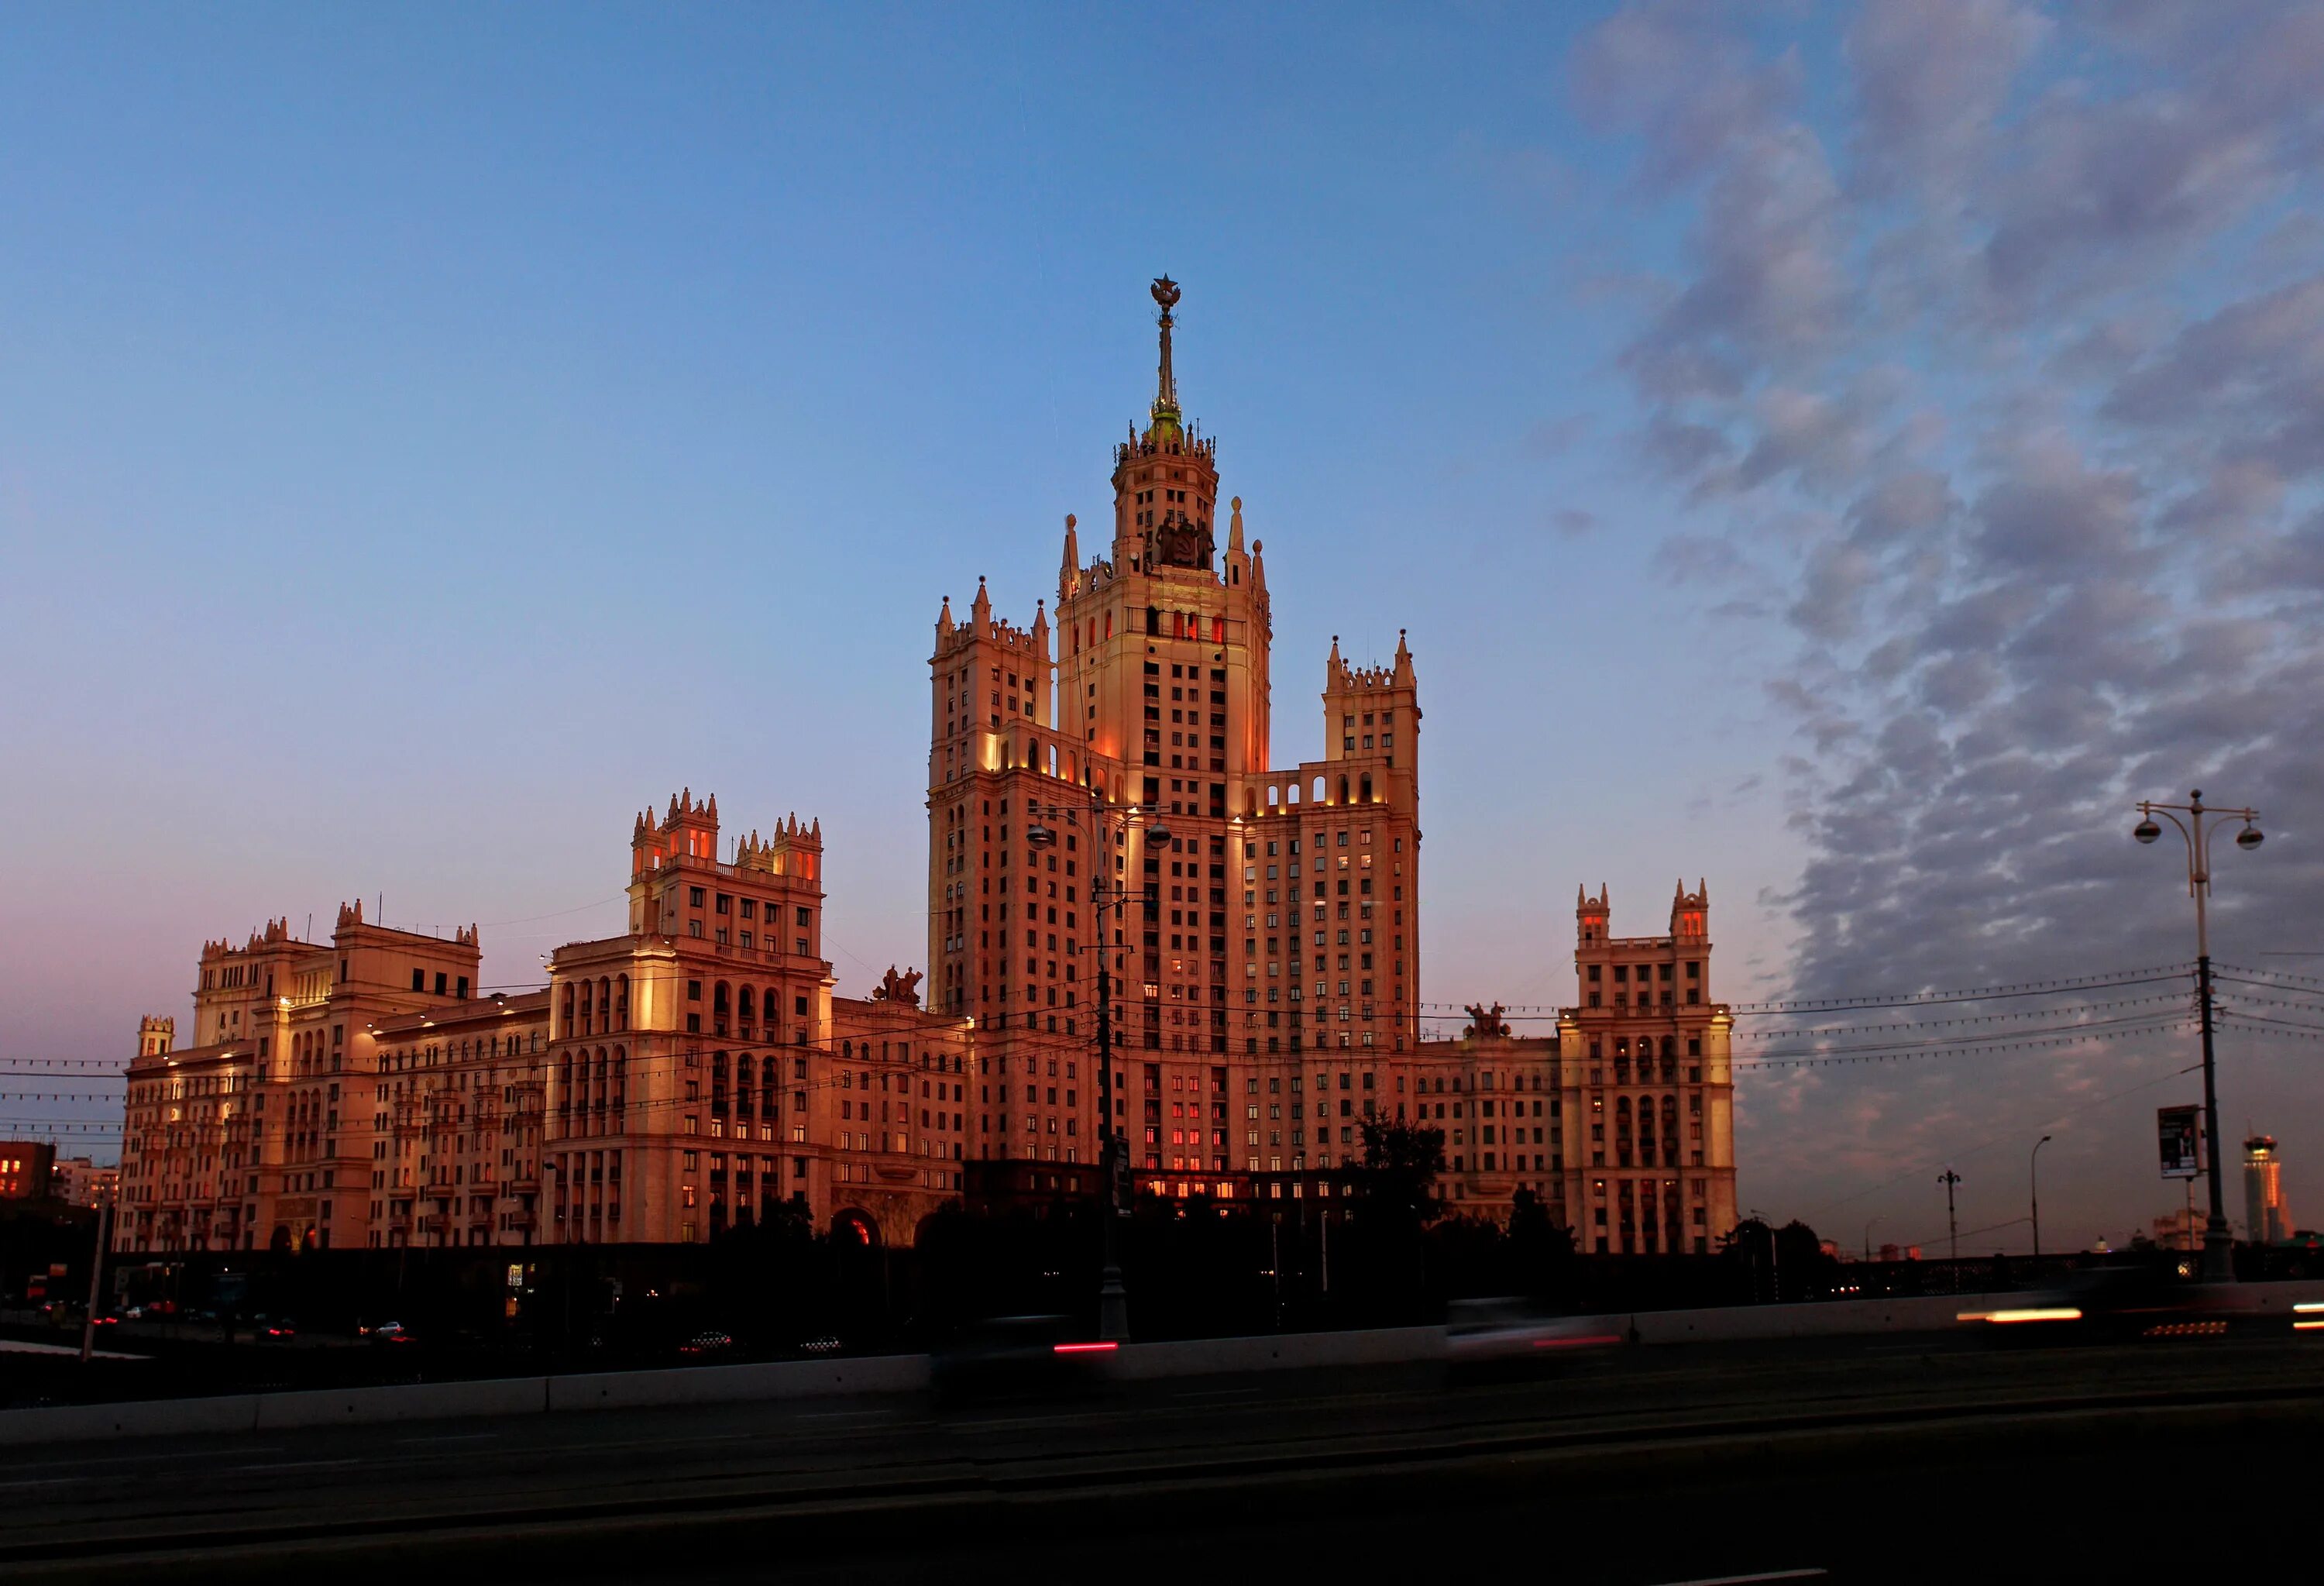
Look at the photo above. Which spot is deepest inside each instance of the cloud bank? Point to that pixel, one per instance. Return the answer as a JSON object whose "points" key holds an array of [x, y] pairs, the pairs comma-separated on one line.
{"points": [[1995, 364]]}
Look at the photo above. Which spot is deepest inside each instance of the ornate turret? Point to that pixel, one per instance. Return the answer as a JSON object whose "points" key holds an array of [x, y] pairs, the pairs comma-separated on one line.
{"points": [[1371, 718], [1590, 916], [1690, 911], [156, 1034], [795, 849], [1166, 477], [691, 831]]}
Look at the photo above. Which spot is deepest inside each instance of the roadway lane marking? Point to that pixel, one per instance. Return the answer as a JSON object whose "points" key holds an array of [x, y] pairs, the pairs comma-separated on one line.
{"points": [[47, 1481], [1220, 1393], [844, 1414], [653, 1443], [1749, 1580], [299, 1465], [147, 1459], [453, 1437]]}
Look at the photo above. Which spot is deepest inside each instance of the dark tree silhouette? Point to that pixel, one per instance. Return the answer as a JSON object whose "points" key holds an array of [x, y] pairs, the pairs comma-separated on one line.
{"points": [[1541, 1249], [1398, 1178]]}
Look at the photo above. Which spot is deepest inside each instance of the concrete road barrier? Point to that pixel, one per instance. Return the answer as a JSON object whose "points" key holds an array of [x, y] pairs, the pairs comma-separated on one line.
{"points": [[417, 1401], [609, 1390], [178, 1417]]}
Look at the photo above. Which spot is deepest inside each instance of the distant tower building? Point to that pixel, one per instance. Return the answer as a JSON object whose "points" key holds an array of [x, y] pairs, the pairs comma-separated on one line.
{"points": [[2263, 1211]]}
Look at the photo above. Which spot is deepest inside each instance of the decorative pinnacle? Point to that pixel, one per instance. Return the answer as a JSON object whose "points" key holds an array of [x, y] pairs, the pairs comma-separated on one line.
{"points": [[1165, 397]]}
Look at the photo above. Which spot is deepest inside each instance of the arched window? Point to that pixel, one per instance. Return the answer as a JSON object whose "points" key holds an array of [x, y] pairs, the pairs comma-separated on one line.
{"points": [[622, 1001], [1367, 787], [746, 1005], [1343, 789]]}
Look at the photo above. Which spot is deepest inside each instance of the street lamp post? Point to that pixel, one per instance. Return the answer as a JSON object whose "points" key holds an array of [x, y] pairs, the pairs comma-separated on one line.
{"points": [[1114, 1299], [1948, 1179], [1868, 1239], [2034, 1190], [2201, 823]]}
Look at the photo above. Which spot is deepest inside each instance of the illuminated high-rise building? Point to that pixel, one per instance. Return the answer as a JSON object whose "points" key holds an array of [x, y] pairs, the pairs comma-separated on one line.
{"points": [[1105, 790], [1101, 781]]}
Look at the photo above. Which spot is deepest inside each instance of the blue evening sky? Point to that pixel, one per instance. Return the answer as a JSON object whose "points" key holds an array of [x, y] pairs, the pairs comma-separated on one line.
{"points": [[430, 434]]}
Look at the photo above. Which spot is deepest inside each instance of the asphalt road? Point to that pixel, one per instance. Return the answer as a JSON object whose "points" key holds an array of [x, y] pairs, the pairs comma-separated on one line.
{"points": [[1868, 1459]]}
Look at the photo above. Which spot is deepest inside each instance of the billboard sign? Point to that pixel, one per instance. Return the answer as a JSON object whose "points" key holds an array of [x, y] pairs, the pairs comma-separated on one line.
{"points": [[2180, 1129]]}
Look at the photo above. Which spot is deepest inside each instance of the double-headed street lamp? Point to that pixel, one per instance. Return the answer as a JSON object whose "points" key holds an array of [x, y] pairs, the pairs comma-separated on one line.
{"points": [[1106, 900], [2201, 823]]}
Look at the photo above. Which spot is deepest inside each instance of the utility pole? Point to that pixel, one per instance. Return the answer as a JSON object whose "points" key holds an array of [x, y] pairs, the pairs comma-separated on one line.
{"points": [[1952, 1223], [2033, 1191], [1113, 1145], [96, 1274], [2202, 821], [1112, 1297]]}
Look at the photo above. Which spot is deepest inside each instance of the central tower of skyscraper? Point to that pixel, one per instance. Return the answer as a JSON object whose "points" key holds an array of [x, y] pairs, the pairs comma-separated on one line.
{"points": [[1276, 918]]}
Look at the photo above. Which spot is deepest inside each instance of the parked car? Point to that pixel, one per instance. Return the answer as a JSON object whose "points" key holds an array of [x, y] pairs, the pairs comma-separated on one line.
{"points": [[708, 1342], [279, 1330], [385, 1332]]}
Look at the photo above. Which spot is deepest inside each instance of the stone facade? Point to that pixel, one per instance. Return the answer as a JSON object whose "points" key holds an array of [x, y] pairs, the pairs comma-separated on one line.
{"points": [[669, 1082]]}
